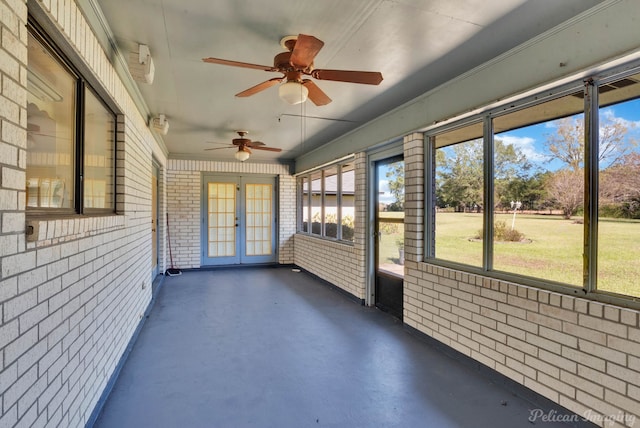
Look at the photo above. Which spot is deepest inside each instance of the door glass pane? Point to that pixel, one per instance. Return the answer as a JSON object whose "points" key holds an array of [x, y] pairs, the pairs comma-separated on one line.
{"points": [[619, 187], [258, 233], [459, 180], [390, 217], [50, 130], [539, 191], [221, 198]]}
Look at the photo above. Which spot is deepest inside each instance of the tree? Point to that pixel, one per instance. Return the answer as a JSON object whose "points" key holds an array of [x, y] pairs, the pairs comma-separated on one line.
{"points": [[566, 188], [459, 181], [511, 174], [460, 172], [567, 143], [615, 156], [619, 188], [395, 174]]}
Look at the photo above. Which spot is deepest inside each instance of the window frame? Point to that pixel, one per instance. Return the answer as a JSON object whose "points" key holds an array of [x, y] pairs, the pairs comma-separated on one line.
{"points": [[589, 85], [307, 177], [81, 85]]}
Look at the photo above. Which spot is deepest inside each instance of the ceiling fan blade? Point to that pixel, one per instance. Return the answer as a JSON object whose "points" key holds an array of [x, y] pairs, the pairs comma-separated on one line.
{"points": [[364, 77], [260, 87], [219, 148], [255, 143], [238, 64], [270, 149], [305, 50], [316, 95]]}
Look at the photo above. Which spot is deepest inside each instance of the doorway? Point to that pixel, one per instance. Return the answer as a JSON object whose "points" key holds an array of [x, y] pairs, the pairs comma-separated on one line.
{"points": [[239, 220], [389, 234], [154, 221]]}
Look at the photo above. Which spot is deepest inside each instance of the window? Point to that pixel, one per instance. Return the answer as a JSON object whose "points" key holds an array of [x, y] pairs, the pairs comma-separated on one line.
{"points": [[316, 203], [562, 207], [327, 202], [99, 161], [459, 195], [347, 201], [304, 190], [538, 190], [70, 138], [618, 252]]}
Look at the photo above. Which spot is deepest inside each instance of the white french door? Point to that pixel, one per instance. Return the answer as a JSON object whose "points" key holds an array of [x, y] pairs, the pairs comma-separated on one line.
{"points": [[239, 220]]}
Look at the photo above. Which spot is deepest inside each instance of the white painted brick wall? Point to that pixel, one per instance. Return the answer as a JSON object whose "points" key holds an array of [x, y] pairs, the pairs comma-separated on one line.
{"points": [[341, 264], [70, 300], [184, 187], [578, 353], [575, 352]]}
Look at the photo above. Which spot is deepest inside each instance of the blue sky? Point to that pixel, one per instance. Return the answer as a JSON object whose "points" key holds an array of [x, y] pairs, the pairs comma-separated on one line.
{"points": [[531, 139]]}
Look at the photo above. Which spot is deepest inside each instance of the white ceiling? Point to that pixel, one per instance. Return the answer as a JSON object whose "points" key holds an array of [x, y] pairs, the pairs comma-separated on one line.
{"points": [[416, 44]]}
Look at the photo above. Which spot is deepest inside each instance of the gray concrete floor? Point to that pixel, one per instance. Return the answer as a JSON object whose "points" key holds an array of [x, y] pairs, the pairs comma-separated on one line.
{"points": [[269, 347]]}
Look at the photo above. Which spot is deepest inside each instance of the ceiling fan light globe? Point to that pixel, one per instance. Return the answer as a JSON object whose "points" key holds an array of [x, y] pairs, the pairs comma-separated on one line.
{"points": [[242, 155], [293, 93]]}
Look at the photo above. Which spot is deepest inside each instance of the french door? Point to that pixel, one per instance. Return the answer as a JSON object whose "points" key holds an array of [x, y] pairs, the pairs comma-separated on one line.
{"points": [[239, 220]]}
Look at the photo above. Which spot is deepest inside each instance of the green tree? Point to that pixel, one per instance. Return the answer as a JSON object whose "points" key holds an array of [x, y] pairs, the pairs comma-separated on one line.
{"points": [[460, 172], [395, 174]]}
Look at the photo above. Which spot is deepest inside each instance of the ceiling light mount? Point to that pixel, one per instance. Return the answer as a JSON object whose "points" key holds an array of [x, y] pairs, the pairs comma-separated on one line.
{"points": [[141, 65], [160, 124], [288, 42]]}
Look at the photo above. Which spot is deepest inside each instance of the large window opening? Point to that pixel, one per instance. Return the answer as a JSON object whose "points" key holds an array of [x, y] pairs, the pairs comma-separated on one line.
{"points": [[459, 195], [538, 191], [561, 177], [618, 263]]}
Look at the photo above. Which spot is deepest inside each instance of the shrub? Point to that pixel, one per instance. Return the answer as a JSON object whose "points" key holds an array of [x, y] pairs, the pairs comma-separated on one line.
{"points": [[502, 233], [330, 230]]}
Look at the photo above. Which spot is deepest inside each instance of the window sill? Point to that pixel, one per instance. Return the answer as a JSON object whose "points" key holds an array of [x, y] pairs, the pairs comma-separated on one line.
{"points": [[43, 231]]}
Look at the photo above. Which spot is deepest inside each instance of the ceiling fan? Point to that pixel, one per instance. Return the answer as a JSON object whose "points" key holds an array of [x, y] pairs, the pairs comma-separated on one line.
{"points": [[293, 64], [245, 145]]}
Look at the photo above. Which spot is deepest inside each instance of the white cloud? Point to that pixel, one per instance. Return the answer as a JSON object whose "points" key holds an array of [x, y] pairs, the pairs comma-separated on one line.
{"points": [[384, 195], [526, 146], [609, 116]]}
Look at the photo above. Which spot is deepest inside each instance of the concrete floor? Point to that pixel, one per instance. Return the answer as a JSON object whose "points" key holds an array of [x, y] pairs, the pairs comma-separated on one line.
{"points": [[269, 347]]}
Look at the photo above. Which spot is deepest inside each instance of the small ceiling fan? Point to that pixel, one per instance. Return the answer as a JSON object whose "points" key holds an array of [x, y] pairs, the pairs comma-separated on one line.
{"points": [[245, 145], [293, 64]]}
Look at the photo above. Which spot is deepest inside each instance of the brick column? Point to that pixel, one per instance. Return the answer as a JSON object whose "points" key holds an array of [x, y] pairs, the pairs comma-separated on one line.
{"points": [[414, 198]]}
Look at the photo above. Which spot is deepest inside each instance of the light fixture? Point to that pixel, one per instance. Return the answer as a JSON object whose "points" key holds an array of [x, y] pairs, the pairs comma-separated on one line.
{"points": [[141, 65], [160, 124], [243, 154], [293, 92]]}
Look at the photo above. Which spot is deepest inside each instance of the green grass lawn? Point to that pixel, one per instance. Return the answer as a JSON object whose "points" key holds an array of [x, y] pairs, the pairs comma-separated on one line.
{"points": [[553, 249], [391, 235]]}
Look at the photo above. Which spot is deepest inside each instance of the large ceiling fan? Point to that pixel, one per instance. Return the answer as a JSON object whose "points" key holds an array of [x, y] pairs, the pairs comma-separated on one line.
{"points": [[293, 64], [244, 146]]}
